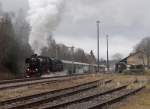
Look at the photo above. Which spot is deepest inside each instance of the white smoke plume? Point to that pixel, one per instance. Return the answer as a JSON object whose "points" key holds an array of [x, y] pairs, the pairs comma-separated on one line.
{"points": [[44, 17]]}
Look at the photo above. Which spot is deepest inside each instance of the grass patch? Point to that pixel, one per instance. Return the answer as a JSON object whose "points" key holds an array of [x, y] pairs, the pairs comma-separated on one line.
{"points": [[139, 101]]}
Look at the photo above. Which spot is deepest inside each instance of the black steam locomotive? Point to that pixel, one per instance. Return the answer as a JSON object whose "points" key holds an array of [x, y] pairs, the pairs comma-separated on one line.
{"points": [[39, 65]]}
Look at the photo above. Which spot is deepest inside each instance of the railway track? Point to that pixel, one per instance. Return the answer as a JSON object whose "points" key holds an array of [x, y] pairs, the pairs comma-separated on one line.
{"points": [[38, 78], [6, 84], [101, 101], [97, 100], [86, 98], [29, 101], [91, 95], [115, 97], [70, 102]]}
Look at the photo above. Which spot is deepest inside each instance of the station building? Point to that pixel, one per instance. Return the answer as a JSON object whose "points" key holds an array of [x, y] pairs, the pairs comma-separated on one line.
{"points": [[134, 62]]}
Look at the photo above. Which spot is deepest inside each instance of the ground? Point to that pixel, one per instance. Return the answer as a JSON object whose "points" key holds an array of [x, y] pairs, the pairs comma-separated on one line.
{"points": [[44, 87], [139, 101]]}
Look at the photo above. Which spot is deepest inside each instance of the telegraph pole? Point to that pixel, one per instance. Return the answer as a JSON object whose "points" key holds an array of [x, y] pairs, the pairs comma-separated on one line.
{"points": [[107, 38], [56, 52], [98, 22], [72, 50]]}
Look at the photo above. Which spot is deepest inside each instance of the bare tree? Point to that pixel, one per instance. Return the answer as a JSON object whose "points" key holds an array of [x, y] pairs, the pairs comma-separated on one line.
{"points": [[92, 57], [63, 52], [117, 57], [14, 49], [144, 48], [6, 30]]}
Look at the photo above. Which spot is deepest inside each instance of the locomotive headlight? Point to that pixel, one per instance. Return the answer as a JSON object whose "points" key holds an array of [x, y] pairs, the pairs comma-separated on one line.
{"points": [[28, 69], [36, 69]]}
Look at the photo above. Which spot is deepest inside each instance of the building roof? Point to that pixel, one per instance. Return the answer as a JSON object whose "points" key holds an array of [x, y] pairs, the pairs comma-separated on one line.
{"points": [[131, 54]]}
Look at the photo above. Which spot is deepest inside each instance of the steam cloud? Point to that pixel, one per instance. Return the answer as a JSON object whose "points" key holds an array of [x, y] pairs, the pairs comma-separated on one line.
{"points": [[43, 16]]}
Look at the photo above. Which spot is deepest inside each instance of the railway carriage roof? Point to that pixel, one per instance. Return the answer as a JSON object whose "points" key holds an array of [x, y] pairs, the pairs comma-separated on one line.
{"points": [[79, 63]]}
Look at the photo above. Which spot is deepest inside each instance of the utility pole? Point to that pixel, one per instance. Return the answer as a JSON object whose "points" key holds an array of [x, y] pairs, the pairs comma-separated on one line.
{"points": [[72, 49], [56, 52], [98, 22], [107, 38]]}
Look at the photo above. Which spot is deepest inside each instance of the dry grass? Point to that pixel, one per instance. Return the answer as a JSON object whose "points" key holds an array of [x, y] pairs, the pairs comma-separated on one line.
{"points": [[44, 87], [139, 101], [49, 86]]}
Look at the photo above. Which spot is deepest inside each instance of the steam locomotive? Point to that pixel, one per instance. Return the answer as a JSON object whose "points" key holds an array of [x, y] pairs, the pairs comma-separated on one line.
{"points": [[39, 65]]}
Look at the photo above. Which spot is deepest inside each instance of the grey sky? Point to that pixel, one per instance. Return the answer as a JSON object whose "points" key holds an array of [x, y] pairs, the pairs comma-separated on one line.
{"points": [[125, 21], [14, 5]]}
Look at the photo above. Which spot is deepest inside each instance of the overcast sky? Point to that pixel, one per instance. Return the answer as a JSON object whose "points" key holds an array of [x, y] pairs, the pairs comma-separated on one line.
{"points": [[125, 21]]}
